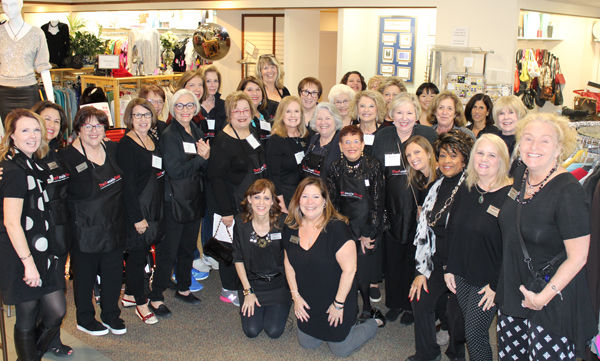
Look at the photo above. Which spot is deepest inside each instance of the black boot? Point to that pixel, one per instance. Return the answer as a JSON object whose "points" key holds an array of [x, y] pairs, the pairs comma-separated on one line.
{"points": [[25, 345], [44, 337]]}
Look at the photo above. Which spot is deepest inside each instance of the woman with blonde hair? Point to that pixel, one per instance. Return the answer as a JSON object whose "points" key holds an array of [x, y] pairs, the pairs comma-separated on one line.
{"points": [[368, 109], [341, 96], [286, 148], [270, 72], [508, 110], [475, 254], [391, 87], [446, 113], [543, 295]]}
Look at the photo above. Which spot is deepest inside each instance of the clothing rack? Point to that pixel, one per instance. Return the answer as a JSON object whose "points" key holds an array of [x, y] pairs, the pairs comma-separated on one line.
{"points": [[115, 84]]}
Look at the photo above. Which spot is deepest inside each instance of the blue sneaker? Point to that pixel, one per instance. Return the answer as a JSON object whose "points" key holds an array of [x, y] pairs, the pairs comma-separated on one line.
{"points": [[195, 286], [199, 275]]}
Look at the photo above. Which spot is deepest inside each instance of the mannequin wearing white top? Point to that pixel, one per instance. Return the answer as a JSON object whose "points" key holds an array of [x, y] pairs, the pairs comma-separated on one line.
{"points": [[17, 28]]}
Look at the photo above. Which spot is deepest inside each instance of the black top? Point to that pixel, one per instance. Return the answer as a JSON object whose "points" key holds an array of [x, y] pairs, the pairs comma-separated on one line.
{"points": [[283, 165], [387, 140], [177, 163], [282, 93], [476, 245], [58, 44], [556, 213], [318, 276], [269, 110], [217, 114], [229, 164], [330, 153], [489, 128], [510, 141], [136, 163], [81, 184], [369, 140], [366, 170]]}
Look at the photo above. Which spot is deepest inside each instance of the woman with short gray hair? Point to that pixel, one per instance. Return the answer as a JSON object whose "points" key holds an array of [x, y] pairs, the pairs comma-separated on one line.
{"points": [[323, 148]]}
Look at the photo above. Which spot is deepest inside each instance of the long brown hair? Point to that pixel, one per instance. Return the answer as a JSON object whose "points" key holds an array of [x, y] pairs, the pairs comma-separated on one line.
{"points": [[259, 186], [7, 143], [416, 178], [294, 218]]}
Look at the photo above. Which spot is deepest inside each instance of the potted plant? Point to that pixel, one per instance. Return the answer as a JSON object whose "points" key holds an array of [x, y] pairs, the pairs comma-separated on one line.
{"points": [[84, 45]]}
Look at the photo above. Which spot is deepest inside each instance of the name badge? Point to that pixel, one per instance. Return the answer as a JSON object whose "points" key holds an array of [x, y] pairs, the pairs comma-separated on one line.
{"points": [[156, 162], [299, 156], [264, 125], [392, 160], [367, 183], [295, 239], [369, 138], [252, 141], [189, 148], [512, 193], [52, 165], [81, 167], [275, 236], [493, 211], [211, 124]]}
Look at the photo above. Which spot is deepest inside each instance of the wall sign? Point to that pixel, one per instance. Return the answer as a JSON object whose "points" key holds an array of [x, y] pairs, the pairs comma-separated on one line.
{"points": [[396, 47]]}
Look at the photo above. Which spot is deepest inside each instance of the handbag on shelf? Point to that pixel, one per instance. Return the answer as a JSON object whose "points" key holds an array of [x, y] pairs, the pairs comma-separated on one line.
{"points": [[222, 251]]}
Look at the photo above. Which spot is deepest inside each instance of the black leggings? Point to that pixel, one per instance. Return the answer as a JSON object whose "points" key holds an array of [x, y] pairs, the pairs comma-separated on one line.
{"points": [[271, 318], [50, 309]]}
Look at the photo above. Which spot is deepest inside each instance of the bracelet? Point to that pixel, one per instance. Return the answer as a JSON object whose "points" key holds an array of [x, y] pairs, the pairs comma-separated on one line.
{"points": [[556, 290], [24, 258], [248, 291], [338, 302], [337, 307]]}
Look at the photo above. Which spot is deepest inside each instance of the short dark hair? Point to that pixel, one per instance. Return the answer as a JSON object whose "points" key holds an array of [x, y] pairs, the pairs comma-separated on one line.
{"points": [[151, 88], [427, 87], [489, 118], [310, 80], [456, 141], [351, 130], [39, 107], [347, 75], [85, 113]]}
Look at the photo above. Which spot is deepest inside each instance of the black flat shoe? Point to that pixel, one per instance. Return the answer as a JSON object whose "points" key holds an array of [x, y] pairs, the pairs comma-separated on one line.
{"points": [[378, 316], [392, 314], [61, 351], [161, 311], [407, 318], [189, 298]]}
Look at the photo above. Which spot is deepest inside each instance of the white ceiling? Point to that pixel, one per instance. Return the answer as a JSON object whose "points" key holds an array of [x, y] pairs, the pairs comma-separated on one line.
{"points": [[594, 3]]}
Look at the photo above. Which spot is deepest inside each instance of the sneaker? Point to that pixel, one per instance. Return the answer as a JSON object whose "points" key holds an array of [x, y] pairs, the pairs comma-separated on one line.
{"points": [[442, 337], [199, 275], [374, 294], [116, 326], [195, 286], [228, 296], [211, 262], [200, 265], [94, 328]]}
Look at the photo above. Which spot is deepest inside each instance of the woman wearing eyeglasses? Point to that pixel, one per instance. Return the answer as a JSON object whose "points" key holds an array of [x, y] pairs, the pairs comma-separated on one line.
{"points": [[309, 90], [156, 96], [341, 96], [185, 155], [94, 196], [237, 159], [140, 159], [269, 71]]}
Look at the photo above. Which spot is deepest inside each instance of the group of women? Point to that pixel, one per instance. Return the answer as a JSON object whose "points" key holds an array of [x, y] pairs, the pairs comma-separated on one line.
{"points": [[323, 200]]}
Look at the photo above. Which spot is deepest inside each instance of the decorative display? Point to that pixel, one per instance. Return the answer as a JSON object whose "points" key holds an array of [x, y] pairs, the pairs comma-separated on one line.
{"points": [[396, 47]]}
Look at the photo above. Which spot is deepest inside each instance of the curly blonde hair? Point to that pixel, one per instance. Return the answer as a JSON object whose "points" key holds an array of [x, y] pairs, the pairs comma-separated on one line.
{"points": [[373, 95], [566, 136]]}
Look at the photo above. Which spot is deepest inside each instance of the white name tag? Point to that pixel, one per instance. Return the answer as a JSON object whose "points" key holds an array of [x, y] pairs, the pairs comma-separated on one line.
{"points": [[189, 148], [369, 138], [211, 124], [493, 211], [275, 236], [264, 125], [367, 183], [299, 156], [252, 141], [392, 160], [156, 162], [81, 167]]}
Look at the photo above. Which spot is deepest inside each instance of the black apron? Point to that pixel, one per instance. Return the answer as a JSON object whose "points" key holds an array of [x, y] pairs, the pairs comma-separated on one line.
{"points": [[257, 170], [57, 205], [98, 219], [355, 202], [312, 162]]}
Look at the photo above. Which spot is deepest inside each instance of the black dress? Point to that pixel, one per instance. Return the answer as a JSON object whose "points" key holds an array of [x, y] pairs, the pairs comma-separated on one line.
{"points": [[214, 121], [263, 261], [284, 156], [25, 178], [318, 276], [557, 212]]}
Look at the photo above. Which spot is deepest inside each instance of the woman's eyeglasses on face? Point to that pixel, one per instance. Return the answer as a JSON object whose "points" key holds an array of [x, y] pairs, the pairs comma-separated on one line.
{"points": [[139, 116], [308, 93], [241, 111], [188, 106], [90, 127]]}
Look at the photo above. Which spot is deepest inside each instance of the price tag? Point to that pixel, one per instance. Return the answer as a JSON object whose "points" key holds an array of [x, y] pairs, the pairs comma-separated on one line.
{"points": [[156, 162], [299, 156], [369, 138], [252, 141], [211, 124], [189, 148], [392, 160]]}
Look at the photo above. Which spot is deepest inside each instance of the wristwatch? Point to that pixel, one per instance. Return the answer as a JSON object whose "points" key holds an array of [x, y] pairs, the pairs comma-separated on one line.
{"points": [[248, 291]]}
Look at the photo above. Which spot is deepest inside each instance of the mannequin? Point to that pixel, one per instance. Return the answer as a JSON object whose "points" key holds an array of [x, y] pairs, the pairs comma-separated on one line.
{"points": [[59, 43], [25, 51]]}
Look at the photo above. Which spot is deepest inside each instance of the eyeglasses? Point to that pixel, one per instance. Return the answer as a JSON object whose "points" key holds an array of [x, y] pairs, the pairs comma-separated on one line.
{"points": [[188, 106], [341, 102], [90, 127], [307, 93], [156, 102], [241, 111], [139, 116]]}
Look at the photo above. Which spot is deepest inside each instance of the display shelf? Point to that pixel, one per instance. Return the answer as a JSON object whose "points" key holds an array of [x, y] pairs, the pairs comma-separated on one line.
{"points": [[114, 84], [543, 39], [59, 75]]}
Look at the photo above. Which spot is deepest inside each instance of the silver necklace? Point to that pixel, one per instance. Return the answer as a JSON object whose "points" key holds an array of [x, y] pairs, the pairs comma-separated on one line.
{"points": [[14, 37], [481, 194]]}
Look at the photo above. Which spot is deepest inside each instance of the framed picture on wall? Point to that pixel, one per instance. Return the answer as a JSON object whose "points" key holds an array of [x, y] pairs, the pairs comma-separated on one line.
{"points": [[388, 55], [389, 38], [405, 40], [397, 24], [386, 69], [404, 72], [403, 56]]}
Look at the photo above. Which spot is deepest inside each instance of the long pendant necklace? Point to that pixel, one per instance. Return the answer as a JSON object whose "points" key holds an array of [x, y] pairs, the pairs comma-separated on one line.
{"points": [[481, 194], [14, 37]]}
